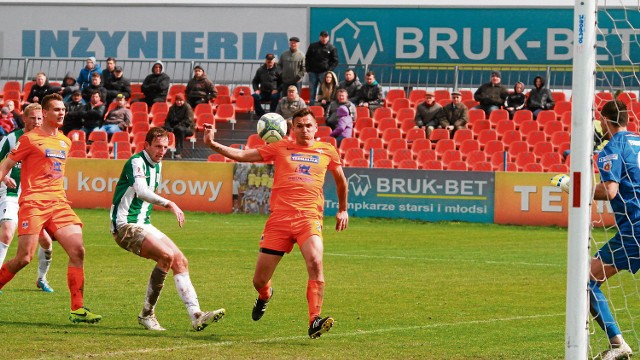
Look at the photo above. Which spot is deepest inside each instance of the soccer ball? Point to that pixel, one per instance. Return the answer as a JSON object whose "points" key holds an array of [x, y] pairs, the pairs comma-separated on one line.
{"points": [[272, 127]]}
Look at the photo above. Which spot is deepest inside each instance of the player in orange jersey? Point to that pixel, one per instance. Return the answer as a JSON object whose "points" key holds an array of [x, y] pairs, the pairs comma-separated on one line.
{"points": [[296, 209], [43, 203]]}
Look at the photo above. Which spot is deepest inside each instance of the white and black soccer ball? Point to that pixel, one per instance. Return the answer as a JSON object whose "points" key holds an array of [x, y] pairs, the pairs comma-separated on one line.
{"points": [[272, 127]]}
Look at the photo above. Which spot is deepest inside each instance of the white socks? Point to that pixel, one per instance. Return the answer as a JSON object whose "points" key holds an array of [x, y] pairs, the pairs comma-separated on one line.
{"points": [[44, 262], [187, 294], [3, 252]]}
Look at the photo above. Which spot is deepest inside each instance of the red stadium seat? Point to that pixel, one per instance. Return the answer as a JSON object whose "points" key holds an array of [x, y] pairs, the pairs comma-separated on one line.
{"points": [[383, 164], [458, 166], [493, 146], [475, 157], [392, 95], [431, 165], [444, 145], [439, 134], [482, 166]]}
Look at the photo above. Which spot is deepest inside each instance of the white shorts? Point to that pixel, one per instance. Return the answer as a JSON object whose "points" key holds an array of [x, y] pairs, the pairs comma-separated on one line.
{"points": [[9, 208]]}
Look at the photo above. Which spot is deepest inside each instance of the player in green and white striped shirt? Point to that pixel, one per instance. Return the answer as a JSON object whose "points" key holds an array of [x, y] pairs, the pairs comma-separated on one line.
{"points": [[9, 193], [131, 227]]}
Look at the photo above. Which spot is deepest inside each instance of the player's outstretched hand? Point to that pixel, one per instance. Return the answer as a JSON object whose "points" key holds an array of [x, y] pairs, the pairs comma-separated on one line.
{"points": [[177, 212], [563, 181], [342, 220], [208, 133], [9, 182]]}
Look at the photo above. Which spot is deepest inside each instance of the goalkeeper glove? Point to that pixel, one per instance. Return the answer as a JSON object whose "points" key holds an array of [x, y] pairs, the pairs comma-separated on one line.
{"points": [[563, 181]]}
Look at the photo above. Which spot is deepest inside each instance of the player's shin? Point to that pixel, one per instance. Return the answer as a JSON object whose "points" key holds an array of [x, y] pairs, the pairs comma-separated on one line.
{"points": [[5, 275], [315, 293], [187, 294], [154, 287], [600, 310]]}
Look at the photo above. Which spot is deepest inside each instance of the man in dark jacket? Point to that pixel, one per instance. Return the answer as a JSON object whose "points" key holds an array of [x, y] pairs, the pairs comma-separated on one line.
{"points": [[371, 93], [118, 85], [455, 115], [76, 109], [200, 89], [321, 57], [352, 84], [539, 98], [491, 95], [156, 85], [266, 85], [96, 86]]}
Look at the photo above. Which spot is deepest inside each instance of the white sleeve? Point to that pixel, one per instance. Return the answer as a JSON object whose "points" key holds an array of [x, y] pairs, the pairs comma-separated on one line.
{"points": [[141, 188]]}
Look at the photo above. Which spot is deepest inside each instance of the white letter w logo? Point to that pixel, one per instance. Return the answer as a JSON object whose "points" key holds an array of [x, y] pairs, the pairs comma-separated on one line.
{"points": [[360, 184], [351, 36]]}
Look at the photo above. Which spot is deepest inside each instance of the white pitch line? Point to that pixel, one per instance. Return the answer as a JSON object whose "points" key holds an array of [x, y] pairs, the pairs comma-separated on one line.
{"points": [[290, 338]]}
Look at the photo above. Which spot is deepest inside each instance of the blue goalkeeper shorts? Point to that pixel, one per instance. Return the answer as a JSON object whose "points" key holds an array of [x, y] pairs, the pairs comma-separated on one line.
{"points": [[622, 251]]}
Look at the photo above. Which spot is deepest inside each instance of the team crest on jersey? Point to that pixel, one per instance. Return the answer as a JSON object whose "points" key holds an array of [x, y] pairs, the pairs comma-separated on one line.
{"points": [[303, 169], [25, 224], [608, 158], [607, 166], [55, 153]]}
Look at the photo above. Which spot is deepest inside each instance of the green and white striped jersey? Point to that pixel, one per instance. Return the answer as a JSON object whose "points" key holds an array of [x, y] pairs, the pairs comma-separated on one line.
{"points": [[127, 207], [6, 145]]}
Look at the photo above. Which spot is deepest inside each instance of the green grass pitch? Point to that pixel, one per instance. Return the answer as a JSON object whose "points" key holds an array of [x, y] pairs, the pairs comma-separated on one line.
{"points": [[397, 289]]}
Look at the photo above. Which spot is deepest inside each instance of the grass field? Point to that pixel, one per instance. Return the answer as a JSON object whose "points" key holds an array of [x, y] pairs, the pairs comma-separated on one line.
{"points": [[397, 289]]}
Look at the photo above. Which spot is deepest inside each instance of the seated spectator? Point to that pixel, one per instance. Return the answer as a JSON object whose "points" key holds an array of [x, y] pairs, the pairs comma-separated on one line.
{"points": [[453, 116], [84, 78], [491, 95], [118, 85], [96, 85], [69, 85], [331, 115], [108, 72], [426, 113], [344, 129], [291, 103], [156, 85], [76, 111], [118, 119], [17, 116], [539, 98], [180, 122], [94, 114], [515, 101], [7, 124], [352, 84], [371, 93], [266, 85], [200, 89], [328, 89], [40, 89]]}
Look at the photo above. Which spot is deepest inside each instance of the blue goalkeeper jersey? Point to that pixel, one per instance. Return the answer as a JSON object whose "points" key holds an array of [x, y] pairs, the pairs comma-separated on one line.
{"points": [[618, 162]]}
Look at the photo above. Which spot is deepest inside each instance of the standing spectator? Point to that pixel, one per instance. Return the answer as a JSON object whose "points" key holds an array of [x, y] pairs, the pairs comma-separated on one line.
{"points": [[76, 110], [118, 85], [96, 85], [156, 85], [291, 66], [331, 115], [16, 115], [200, 89], [40, 89], [108, 72], [491, 95], [69, 85], [352, 84], [328, 89], [455, 115], [321, 57], [266, 85], [344, 129], [515, 101], [427, 112], [118, 119], [291, 103], [84, 79], [539, 98], [180, 122], [94, 114], [370, 93]]}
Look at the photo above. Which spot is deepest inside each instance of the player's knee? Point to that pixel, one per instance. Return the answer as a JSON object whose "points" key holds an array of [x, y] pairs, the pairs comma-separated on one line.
{"points": [[180, 263], [23, 260], [259, 281], [165, 259], [314, 265], [76, 254]]}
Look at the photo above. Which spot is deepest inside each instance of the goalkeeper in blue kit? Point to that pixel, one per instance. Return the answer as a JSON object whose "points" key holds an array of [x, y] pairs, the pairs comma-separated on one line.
{"points": [[620, 185]]}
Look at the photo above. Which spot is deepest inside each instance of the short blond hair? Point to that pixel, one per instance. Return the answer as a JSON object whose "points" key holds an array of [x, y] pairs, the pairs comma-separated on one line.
{"points": [[30, 108]]}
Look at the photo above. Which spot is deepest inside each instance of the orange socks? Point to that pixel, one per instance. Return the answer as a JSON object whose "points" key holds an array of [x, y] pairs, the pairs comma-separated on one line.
{"points": [[315, 292], [75, 281], [5, 275], [265, 292]]}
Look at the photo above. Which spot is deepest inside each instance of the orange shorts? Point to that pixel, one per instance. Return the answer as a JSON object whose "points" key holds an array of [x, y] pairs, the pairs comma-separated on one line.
{"points": [[34, 216], [283, 230]]}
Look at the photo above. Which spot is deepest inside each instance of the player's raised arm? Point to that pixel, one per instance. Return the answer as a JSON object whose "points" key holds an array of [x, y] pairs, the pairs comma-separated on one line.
{"points": [[249, 155], [342, 216]]}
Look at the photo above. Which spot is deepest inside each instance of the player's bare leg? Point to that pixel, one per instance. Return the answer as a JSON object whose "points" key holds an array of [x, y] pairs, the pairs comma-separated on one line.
{"points": [[7, 229], [26, 247], [265, 267], [312, 251]]}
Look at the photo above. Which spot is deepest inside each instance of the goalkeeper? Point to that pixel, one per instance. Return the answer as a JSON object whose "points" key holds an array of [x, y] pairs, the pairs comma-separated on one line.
{"points": [[619, 170]]}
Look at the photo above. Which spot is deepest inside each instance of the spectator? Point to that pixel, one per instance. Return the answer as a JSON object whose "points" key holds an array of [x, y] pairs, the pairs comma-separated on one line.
{"points": [[84, 79], [118, 85], [7, 124], [96, 85], [291, 66], [371, 93], [352, 84], [491, 95], [266, 85], [331, 115], [200, 89], [515, 101], [291, 103], [344, 129], [427, 112], [76, 111], [180, 122], [321, 57], [40, 89], [108, 72], [16, 115], [328, 89], [118, 119], [156, 85], [540, 97], [94, 113], [69, 85], [455, 115]]}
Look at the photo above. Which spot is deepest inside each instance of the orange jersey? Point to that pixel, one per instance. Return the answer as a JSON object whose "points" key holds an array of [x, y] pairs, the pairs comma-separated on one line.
{"points": [[43, 158], [299, 174]]}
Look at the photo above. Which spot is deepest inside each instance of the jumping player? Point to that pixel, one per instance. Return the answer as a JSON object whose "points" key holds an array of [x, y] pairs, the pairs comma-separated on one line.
{"points": [[296, 209], [131, 227], [43, 203]]}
